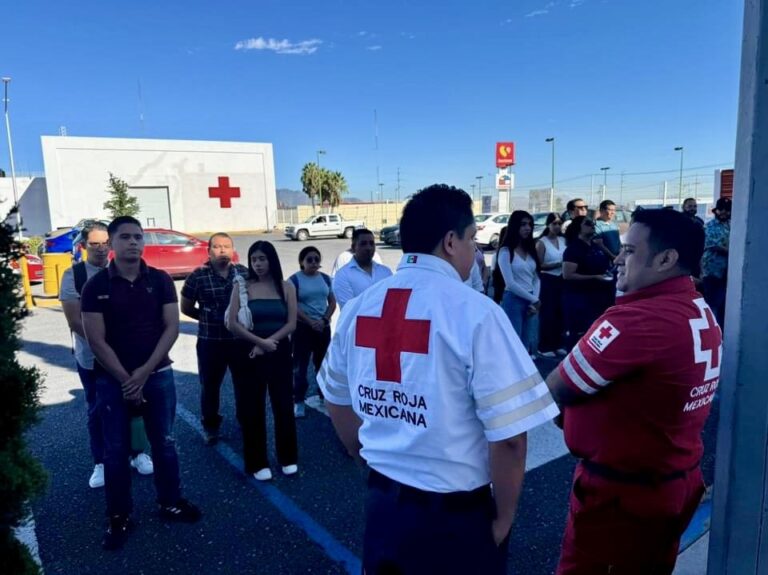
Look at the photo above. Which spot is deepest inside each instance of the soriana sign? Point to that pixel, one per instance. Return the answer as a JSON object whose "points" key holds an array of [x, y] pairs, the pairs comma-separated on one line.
{"points": [[505, 154]]}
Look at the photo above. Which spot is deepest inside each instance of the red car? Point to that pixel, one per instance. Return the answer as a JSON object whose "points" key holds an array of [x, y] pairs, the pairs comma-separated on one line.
{"points": [[177, 253], [34, 265]]}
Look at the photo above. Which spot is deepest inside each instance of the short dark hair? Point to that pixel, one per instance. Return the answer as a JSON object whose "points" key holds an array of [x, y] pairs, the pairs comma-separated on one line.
{"points": [[430, 214], [672, 230], [219, 235], [605, 204], [360, 232], [115, 224], [571, 205], [89, 226], [686, 200]]}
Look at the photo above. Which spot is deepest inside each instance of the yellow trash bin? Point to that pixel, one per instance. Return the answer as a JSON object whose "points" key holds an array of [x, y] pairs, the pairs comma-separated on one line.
{"points": [[54, 266]]}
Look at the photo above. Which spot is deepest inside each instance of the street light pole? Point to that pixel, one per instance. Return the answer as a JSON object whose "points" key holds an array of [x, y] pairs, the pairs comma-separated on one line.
{"points": [[605, 181], [318, 153], [552, 187], [479, 188], [6, 80], [680, 185]]}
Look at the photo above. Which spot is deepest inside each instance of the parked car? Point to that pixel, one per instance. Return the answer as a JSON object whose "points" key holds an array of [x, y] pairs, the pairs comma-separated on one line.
{"points": [[34, 266], [480, 218], [175, 252], [323, 225], [488, 231], [390, 235], [63, 240]]}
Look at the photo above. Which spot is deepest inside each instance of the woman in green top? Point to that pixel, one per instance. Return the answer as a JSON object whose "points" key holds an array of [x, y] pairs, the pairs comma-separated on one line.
{"points": [[265, 363]]}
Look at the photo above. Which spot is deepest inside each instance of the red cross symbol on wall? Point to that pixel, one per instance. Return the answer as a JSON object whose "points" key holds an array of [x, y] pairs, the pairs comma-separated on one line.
{"points": [[605, 332], [391, 334], [224, 193]]}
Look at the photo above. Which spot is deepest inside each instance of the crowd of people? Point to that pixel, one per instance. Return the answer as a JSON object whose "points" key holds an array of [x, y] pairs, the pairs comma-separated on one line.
{"points": [[442, 376]]}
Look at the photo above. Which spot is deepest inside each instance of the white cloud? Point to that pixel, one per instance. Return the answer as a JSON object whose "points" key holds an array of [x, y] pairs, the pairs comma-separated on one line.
{"points": [[362, 33], [536, 13], [576, 3], [303, 48], [373, 48]]}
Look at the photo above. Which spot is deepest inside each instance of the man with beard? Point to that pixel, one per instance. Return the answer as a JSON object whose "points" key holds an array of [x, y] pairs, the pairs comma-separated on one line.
{"points": [[131, 320], [204, 297], [362, 271], [691, 209]]}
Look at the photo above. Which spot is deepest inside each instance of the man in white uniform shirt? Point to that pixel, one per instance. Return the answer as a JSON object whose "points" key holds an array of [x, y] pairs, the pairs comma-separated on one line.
{"points": [[427, 382], [362, 271], [345, 257]]}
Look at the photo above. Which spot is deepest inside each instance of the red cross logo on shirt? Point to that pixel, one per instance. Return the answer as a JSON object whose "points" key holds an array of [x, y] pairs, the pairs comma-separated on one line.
{"points": [[224, 193], [707, 340], [606, 332], [391, 334]]}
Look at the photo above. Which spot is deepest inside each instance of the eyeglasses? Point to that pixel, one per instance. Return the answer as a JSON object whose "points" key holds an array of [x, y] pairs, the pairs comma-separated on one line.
{"points": [[582, 207], [97, 245], [312, 260]]}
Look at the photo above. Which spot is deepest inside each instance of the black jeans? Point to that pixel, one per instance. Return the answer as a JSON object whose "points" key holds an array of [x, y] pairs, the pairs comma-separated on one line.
{"points": [[551, 314], [213, 358], [713, 290], [412, 532], [252, 378], [307, 342], [159, 413]]}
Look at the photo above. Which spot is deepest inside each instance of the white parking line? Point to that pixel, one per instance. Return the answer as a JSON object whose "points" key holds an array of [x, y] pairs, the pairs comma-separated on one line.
{"points": [[27, 536]]}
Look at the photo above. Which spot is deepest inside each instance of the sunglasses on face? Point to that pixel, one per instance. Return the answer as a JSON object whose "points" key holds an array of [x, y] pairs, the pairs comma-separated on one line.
{"points": [[580, 207], [312, 260]]}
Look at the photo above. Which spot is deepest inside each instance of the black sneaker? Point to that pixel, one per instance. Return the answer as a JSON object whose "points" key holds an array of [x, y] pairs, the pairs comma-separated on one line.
{"points": [[183, 512], [117, 532]]}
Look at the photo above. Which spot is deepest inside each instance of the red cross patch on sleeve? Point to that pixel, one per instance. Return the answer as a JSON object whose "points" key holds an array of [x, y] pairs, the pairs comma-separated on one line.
{"points": [[602, 336]]}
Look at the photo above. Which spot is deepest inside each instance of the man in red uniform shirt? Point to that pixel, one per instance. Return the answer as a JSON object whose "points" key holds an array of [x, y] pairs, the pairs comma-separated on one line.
{"points": [[637, 390]]}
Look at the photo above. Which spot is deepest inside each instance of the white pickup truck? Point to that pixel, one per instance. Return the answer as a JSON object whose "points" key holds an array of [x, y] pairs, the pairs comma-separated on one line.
{"points": [[323, 225]]}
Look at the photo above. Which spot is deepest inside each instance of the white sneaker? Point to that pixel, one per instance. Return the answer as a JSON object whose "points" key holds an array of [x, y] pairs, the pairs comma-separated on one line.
{"points": [[290, 469], [561, 352], [299, 410], [533, 357], [97, 477], [263, 474], [143, 464], [549, 354]]}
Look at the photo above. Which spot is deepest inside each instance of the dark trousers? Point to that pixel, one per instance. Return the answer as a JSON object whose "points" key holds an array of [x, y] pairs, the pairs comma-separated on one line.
{"points": [[582, 308], [307, 342], [95, 434], [213, 359], [714, 294], [627, 528], [159, 413], [252, 379], [413, 532], [551, 314]]}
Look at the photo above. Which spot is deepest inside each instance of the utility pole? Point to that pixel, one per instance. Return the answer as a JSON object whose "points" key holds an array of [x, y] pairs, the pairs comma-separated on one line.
{"points": [[479, 187], [605, 181], [680, 149], [739, 536], [6, 81], [552, 186], [397, 190]]}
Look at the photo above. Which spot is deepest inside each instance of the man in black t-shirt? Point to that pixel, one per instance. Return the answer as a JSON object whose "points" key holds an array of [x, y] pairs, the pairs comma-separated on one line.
{"points": [[131, 320]]}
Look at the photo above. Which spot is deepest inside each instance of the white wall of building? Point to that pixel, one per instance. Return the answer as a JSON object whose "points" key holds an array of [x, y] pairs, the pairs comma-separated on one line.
{"points": [[176, 173]]}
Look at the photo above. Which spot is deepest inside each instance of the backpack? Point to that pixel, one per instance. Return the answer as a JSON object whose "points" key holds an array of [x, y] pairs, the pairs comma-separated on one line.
{"points": [[80, 275], [295, 281]]}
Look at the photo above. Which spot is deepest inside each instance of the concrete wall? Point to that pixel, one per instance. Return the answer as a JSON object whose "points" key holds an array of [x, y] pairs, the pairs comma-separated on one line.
{"points": [[77, 173]]}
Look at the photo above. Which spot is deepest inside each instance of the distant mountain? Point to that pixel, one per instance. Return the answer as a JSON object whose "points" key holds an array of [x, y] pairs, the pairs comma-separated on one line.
{"points": [[291, 198]]}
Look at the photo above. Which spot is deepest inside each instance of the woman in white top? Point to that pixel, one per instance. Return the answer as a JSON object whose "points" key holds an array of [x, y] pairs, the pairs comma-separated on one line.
{"points": [[519, 264], [550, 248]]}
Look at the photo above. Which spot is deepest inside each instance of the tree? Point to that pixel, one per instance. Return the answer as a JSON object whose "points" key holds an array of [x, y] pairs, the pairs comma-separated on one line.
{"points": [[312, 181], [21, 476], [121, 203], [335, 186]]}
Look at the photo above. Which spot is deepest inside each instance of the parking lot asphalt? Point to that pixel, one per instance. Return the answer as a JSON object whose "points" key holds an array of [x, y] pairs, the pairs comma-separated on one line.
{"points": [[309, 523]]}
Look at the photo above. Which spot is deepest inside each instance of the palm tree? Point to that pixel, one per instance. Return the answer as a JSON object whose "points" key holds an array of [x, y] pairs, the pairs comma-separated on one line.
{"points": [[312, 181], [336, 188]]}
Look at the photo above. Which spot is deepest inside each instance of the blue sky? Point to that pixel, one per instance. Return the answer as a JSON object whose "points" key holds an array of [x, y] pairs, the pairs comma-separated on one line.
{"points": [[618, 83]]}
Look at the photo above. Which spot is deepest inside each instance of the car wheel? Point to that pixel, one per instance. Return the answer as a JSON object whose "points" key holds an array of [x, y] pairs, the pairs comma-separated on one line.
{"points": [[348, 233], [302, 235], [494, 243]]}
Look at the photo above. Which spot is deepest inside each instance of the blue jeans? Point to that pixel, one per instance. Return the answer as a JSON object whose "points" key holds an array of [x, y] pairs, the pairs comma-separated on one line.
{"points": [[159, 413], [526, 326], [88, 379]]}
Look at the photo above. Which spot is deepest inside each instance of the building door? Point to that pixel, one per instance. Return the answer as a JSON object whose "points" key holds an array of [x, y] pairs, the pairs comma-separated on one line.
{"points": [[155, 206]]}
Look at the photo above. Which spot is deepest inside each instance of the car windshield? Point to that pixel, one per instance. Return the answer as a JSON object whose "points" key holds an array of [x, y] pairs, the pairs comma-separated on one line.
{"points": [[481, 218], [309, 220]]}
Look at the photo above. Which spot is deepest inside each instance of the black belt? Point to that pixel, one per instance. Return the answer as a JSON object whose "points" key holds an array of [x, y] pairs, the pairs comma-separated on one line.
{"points": [[457, 500], [635, 478]]}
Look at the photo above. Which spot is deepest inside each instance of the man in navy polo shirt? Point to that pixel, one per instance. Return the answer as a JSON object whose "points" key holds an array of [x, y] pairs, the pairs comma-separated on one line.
{"points": [[131, 320]]}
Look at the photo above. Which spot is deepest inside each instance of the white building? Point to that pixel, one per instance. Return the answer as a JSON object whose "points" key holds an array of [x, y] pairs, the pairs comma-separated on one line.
{"points": [[191, 186]]}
